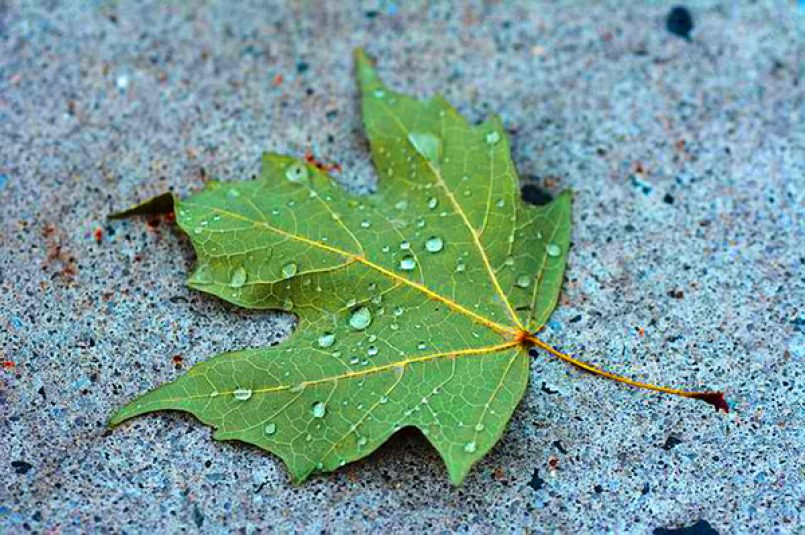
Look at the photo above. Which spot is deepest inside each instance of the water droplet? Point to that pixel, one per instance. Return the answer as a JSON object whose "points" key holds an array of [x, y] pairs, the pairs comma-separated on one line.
{"points": [[493, 137], [385, 248], [460, 266], [362, 442], [479, 427], [296, 172], [238, 278], [523, 281], [433, 202], [377, 299], [198, 230], [270, 428], [421, 345], [469, 447], [318, 409], [378, 93], [509, 261], [434, 244], [501, 203], [351, 302], [426, 144], [398, 311], [289, 270], [242, 394], [405, 246], [295, 389], [287, 303], [365, 224], [371, 351], [326, 340], [553, 250], [408, 263], [401, 205], [384, 400], [360, 318]]}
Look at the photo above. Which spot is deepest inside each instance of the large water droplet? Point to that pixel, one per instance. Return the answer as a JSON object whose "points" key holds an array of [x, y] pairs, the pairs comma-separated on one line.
{"points": [[408, 263], [493, 137], [270, 428], [523, 281], [360, 318], [319, 409], [426, 144], [371, 351], [553, 249], [242, 394], [238, 278], [296, 172], [289, 270], [469, 447], [326, 340], [434, 244], [433, 202]]}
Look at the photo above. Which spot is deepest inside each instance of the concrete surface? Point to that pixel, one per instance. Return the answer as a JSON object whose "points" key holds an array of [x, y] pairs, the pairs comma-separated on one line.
{"points": [[688, 162]]}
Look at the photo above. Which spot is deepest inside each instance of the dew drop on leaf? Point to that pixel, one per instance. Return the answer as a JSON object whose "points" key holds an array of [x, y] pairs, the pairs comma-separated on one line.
{"points": [[408, 263], [405, 245], [238, 278], [469, 447], [492, 138], [270, 428], [479, 427], [523, 281], [434, 244], [296, 172], [426, 144], [362, 442], [319, 409], [378, 93], [326, 340], [433, 202], [401, 205], [242, 394], [289, 270], [360, 318], [553, 250]]}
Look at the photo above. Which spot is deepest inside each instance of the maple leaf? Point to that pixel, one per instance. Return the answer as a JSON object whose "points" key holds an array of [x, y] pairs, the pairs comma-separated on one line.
{"points": [[417, 305]]}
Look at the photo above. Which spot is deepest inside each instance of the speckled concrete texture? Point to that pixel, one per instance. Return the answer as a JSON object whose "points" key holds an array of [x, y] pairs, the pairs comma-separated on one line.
{"points": [[687, 159]]}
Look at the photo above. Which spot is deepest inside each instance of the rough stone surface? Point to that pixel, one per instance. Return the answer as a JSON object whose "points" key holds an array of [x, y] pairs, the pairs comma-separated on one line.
{"points": [[687, 158]]}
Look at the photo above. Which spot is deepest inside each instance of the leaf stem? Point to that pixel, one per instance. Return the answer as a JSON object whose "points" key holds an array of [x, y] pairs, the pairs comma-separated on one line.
{"points": [[716, 399]]}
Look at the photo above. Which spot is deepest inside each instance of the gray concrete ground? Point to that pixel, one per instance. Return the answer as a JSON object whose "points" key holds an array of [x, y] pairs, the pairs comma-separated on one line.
{"points": [[687, 158]]}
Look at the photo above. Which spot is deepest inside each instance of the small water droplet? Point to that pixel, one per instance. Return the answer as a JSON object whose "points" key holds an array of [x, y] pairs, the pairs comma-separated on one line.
{"points": [[296, 172], [421, 345], [384, 400], [270, 428], [287, 303], [469, 447], [378, 93], [319, 409], [295, 389], [238, 278], [467, 192], [362, 442], [433, 202], [326, 340], [493, 137], [479, 427], [523, 281], [426, 144], [385, 248], [434, 244], [198, 230], [460, 266], [371, 351], [408, 263], [289, 270], [401, 205], [377, 299], [351, 302], [405, 245], [232, 193], [553, 250], [242, 394], [501, 203], [360, 318], [365, 224]]}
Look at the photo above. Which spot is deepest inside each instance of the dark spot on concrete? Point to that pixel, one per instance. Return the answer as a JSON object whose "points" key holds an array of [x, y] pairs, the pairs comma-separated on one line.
{"points": [[668, 199], [198, 518], [701, 527], [671, 442], [575, 319], [547, 390], [598, 489], [21, 467], [679, 22], [302, 67], [676, 294], [536, 482], [533, 194], [371, 14], [558, 446], [646, 489]]}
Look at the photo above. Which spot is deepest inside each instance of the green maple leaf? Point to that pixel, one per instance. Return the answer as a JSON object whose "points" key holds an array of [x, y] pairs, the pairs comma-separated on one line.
{"points": [[416, 304]]}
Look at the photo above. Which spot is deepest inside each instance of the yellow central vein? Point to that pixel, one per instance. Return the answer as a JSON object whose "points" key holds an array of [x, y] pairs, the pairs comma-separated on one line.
{"points": [[498, 327], [470, 228]]}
